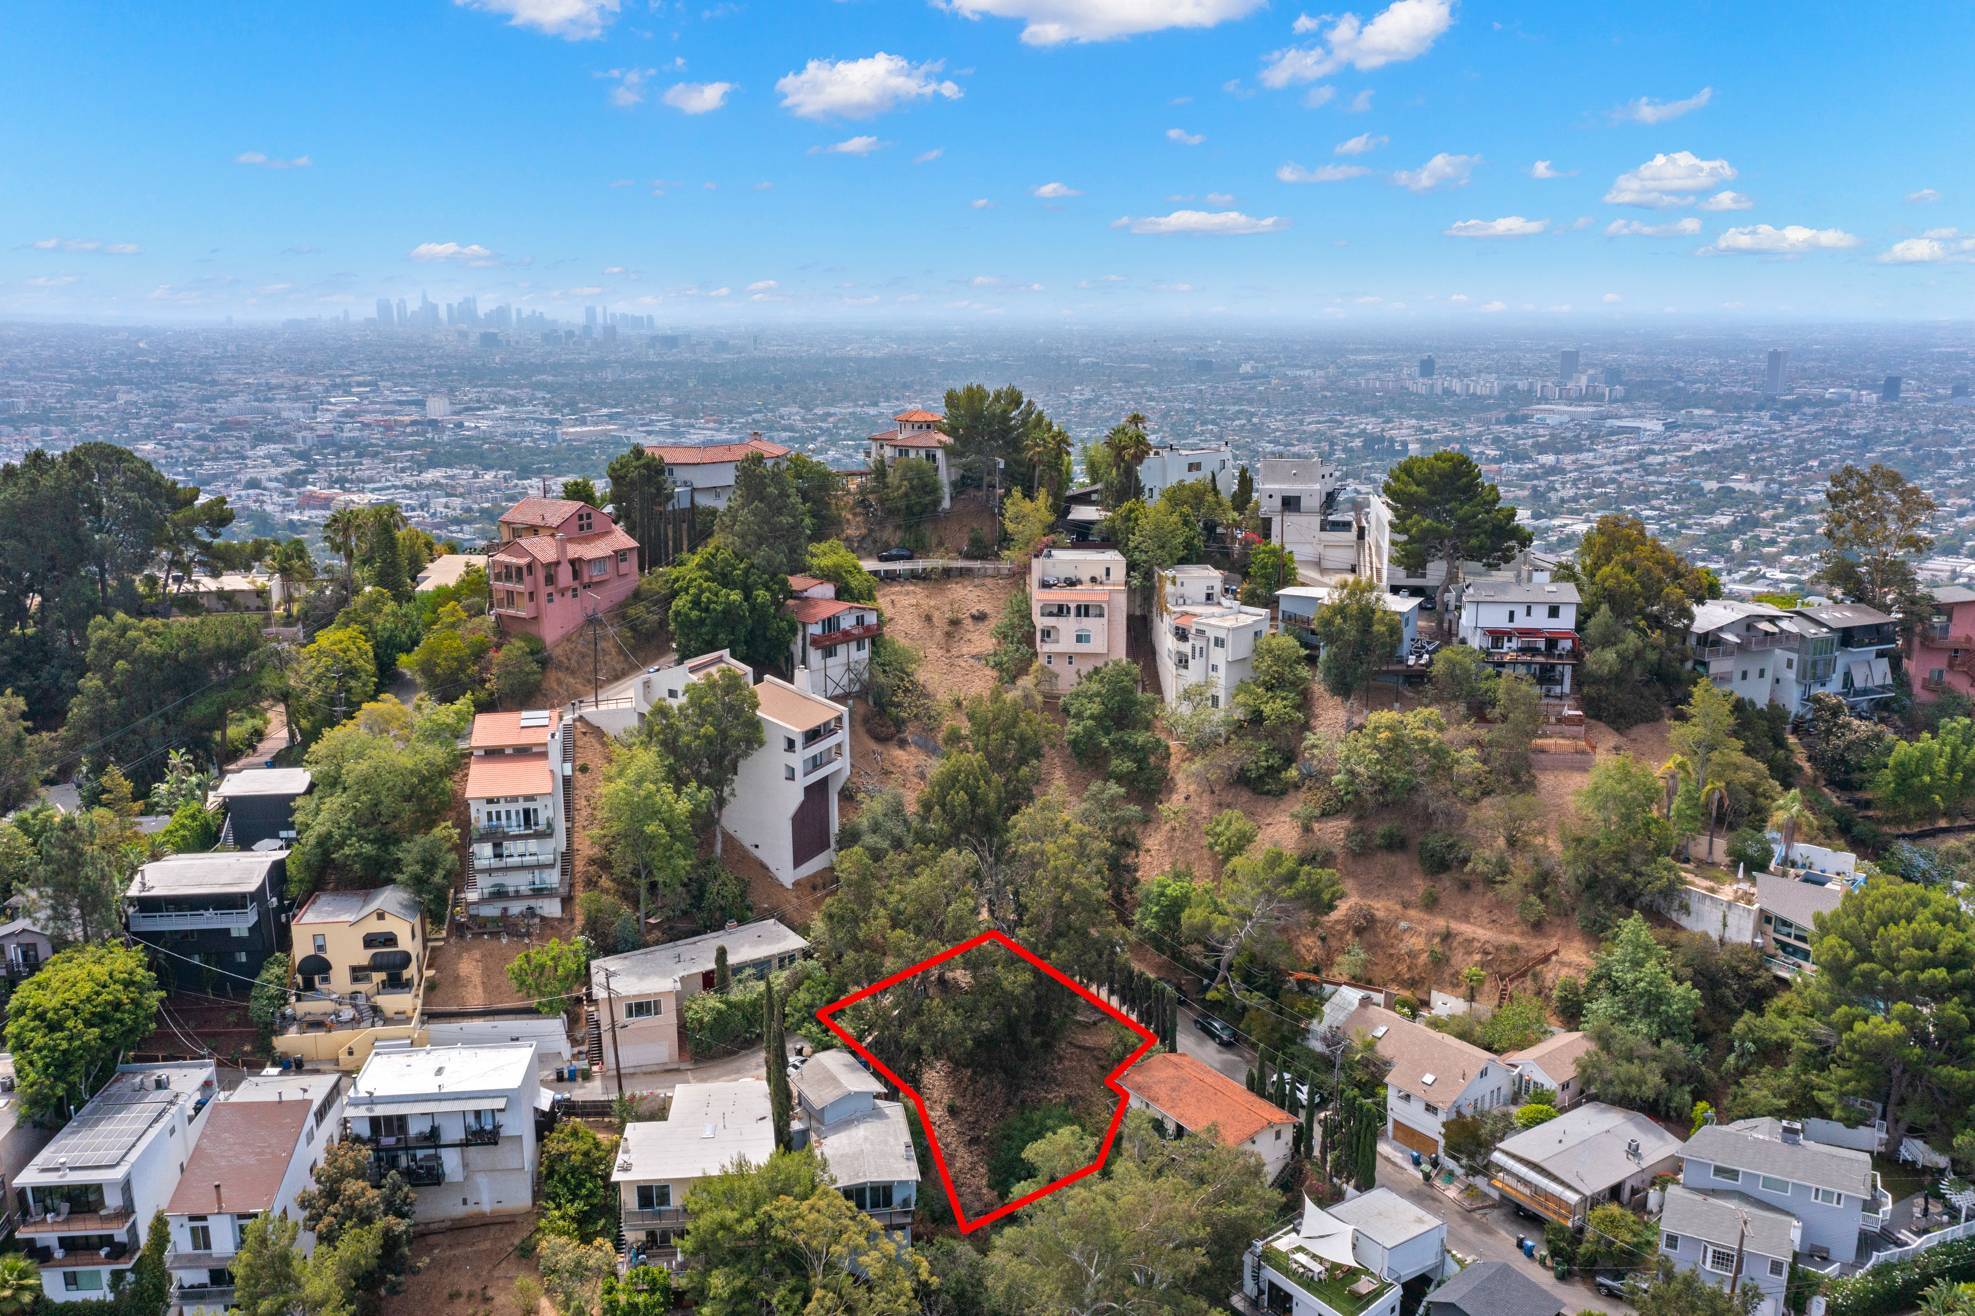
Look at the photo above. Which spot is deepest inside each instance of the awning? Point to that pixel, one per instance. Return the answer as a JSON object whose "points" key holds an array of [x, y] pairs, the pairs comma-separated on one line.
{"points": [[1882, 671], [1861, 674], [312, 966], [390, 961]]}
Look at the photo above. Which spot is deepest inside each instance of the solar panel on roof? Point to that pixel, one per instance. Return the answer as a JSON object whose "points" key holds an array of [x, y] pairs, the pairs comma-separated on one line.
{"points": [[535, 718]]}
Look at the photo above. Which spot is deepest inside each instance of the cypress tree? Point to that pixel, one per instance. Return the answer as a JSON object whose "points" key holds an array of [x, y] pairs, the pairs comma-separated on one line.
{"points": [[723, 978], [775, 1054]]}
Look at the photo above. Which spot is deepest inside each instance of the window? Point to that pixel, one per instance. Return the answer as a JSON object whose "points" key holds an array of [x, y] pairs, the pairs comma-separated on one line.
{"points": [[1406, 1097], [1725, 1173], [321, 943], [202, 1238], [1670, 1242], [1771, 1184], [1432, 1109], [1556, 610], [1220, 641], [641, 1009], [788, 772], [1778, 1269], [860, 646], [82, 1281], [600, 567], [654, 1196], [788, 744], [1827, 1197], [1083, 637], [1720, 1260]]}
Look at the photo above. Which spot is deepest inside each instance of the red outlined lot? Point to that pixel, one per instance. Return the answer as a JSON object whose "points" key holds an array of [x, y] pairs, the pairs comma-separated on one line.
{"points": [[1147, 1042]]}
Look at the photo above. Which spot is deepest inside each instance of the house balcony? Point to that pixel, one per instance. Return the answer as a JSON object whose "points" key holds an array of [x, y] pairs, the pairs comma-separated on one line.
{"points": [[203, 1295], [662, 1217], [513, 603], [50, 1257], [188, 920], [419, 1171], [1944, 637], [507, 863], [1785, 967], [898, 1217], [844, 634], [1877, 1212], [176, 1260], [818, 763], [77, 1222], [493, 832]]}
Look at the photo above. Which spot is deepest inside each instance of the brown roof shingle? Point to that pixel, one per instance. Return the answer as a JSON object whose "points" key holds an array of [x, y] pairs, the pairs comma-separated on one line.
{"points": [[245, 1150], [1415, 1051]]}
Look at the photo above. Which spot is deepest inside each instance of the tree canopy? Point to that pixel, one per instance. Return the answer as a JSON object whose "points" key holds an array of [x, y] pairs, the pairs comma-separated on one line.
{"points": [[70, 1023], [1443, 510]]}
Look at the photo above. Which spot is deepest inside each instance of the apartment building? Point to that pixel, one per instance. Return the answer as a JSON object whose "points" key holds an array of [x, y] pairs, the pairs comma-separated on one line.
{"points": [[1167, 465], [260, 806], [457, 1122], [702, 475], [710, 1128], [1434, 1077], [1349, 1260], [1832, 1192], [1185, 1097], [1526, 628], [358, 975], [262, 1143], [88, 1196], [517, 814], [1941, 657], [834, 637], [916, 435], [783, 807], [1078, 604], [1730, 1239], [1203, 640], [559, 563], [864, 1139], [639, 998], [211, 918], [1594, 1153]]}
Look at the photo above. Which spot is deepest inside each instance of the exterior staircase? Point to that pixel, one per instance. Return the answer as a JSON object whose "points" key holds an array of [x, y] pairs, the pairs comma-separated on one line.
{"points": [[566, 871], [593, 1040]]}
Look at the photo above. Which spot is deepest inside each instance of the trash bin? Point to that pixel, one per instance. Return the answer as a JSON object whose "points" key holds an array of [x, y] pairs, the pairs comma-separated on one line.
{"points": [[1560, 1270]]}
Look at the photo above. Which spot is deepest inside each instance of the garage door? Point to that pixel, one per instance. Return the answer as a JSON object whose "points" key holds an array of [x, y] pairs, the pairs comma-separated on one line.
{"points": [[1407, 1136]]}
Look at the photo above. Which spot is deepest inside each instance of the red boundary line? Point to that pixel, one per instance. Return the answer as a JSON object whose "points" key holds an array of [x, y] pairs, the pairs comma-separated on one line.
{"points": [[968, 1226]]}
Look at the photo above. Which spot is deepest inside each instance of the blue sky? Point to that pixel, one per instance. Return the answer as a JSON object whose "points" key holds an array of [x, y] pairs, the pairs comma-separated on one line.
{"points": [[1057, 160]]}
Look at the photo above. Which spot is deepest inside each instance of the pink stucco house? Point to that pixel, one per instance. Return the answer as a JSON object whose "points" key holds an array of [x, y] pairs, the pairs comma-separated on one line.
{"points": [[559, 561], [1942, 654]]}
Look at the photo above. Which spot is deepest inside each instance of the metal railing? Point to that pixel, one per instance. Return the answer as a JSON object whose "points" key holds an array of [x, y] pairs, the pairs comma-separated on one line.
{"points": [[189, 920]]}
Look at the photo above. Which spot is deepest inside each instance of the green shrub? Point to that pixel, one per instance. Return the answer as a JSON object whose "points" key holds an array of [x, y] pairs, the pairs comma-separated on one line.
{"points": [[1390, 836], [1884, 1290], [722, 1022], [1441, 851], [1007, 1166], [1358, 840]]}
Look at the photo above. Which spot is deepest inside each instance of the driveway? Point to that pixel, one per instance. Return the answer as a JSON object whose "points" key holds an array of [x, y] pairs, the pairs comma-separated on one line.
{"points": [[1234, 1061], [1486, 1234]]}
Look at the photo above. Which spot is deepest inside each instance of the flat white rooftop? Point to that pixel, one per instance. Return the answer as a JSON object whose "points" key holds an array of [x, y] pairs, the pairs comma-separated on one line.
{"points": [[403, 1075], [709, 1126]]}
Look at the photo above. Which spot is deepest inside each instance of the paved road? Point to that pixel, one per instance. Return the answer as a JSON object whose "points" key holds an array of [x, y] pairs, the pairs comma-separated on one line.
{"points": [[1488, 1234], [1234, 1061]]}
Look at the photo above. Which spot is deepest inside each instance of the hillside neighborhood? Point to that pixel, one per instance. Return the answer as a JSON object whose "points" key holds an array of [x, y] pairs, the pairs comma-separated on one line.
{"points": [[444, 926]]}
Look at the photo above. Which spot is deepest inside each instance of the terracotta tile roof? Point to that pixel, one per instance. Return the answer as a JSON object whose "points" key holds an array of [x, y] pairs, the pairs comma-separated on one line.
{"points": [[807, 611], [489, 775], [549, 512], [711, 454], [245, 1149], [917, 416], [603, 543], [504, 730], [916, 439], [791, 707], [557, 548], [799, 583], [1185, 1090], [1416, 1051]]}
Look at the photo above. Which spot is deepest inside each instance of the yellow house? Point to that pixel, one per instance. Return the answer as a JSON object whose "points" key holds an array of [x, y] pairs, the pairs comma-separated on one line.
{"points": [[358, 975]]}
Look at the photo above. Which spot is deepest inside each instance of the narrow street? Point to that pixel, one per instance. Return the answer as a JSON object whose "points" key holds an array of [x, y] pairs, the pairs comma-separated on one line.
{"points": [[1234, 1061]]}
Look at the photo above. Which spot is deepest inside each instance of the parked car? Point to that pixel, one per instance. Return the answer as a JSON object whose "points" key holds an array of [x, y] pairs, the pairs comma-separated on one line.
{"points": [[1221, 1032], [1618, 1284], [899, 554]]}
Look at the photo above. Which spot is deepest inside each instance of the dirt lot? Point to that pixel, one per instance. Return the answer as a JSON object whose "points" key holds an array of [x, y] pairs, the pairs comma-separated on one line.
{"points": [[466, 1272]]}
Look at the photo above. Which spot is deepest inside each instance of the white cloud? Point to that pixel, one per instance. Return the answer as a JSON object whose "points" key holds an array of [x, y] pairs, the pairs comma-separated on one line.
{"points": [[984, 281], [1404, 30], [1611, 299], [1932, 247], [1790, 240], [1054, 191], [572, 20], [1443, 170], [1361, 103], [469, 253], [764, 186], [1492, 307], [1645, 110], [1924, 196], [260, 160], [1544, 169], [1669, 180], [862, 88], [1318, 97], [1328, 173], [1632, 228], [980, 203], [927, 157], [1304, 24], [86, 244], [1052, 22], [1219, 198], [862, 144], [53, 280], [616, 269], [1359, 145], [1185, 138], [1509, 226], [697, 97], [763, 285], [1228, 223], [1727, 201], [630, 88]]}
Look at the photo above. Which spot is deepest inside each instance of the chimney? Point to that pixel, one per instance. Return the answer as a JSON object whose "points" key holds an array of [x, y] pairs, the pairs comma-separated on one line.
{"points": [[1633, 1150], [1792, 1133], [219, 1197], [803, 680]]}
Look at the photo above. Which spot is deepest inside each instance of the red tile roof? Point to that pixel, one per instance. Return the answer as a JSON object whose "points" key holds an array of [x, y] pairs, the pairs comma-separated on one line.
{"points": [[916, 439], [1181, 1088], [797, 584], [555, 548], [489, 775], [807, 611], [549, 512], [504, 730], [918, 415], [710, 454]]}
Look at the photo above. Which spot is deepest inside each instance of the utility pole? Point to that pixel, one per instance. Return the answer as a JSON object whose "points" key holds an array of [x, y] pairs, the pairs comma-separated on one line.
{"points": [[1741, 1236], [610, 1009]]}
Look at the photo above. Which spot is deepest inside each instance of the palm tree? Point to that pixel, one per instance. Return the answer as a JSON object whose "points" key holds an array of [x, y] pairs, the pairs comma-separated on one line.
{"points": [[1471, 979], [294, 568], [1714, 798], [1046, 446], [1671, 774], [341, 532], [1789, 815], [20, 1284]]}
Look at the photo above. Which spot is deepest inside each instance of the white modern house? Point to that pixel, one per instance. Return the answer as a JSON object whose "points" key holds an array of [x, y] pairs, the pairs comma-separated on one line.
{"points": [[702, 475], [1434, 1076], [1167, 465], [1751, 650], [1297, 606], [1529, 628], [638, 998], [262, 1143], [89, 1195], [783, 806], [1078, 605], [709, 1128], [457, 1122], [834, 637], [1203, 639], [1187, 1097], [916, 435], [1850, 653], [515, 789], [1298, 501], [1348, 1260], [864, 1139]]}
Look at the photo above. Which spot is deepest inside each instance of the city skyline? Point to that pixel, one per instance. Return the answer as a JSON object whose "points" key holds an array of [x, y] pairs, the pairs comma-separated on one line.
{"points": [[1074, 161]]}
